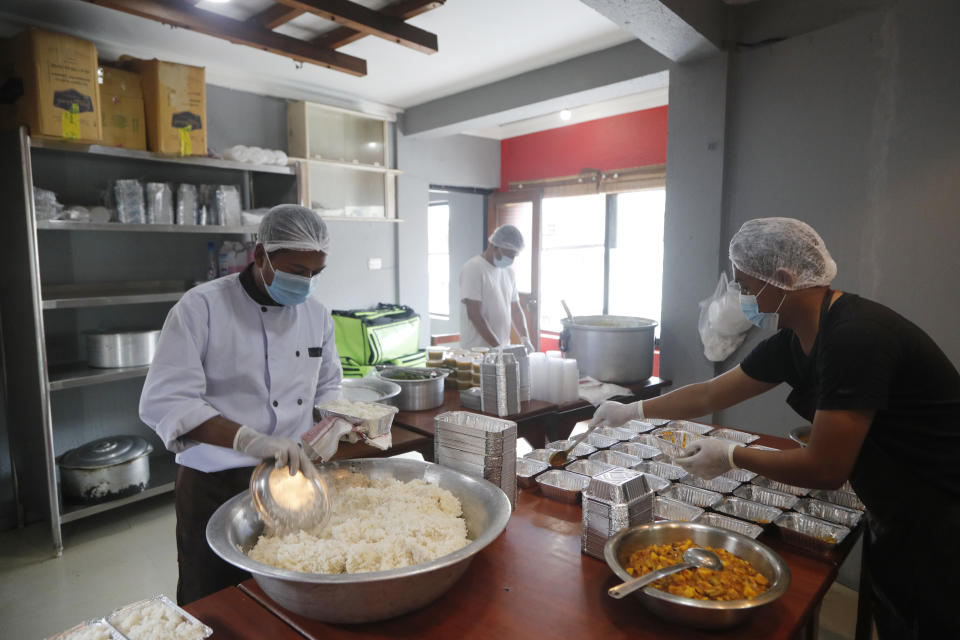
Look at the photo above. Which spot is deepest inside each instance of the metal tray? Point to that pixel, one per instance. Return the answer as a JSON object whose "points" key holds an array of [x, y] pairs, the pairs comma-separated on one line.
{"points": [[487, 461], [527, 470], [782, 487], [718, 484], [663, 470], [582, 449], [373, 427], [670, 509], [589, 468], [843, 498], [809, 533], [639, 426], [692, 495], [732, 524], [740, 475], [830, 512], [616, 458], [475, 423], [748, 510], [207, 631], [642, 451], [562, 485], [646, 438], [600, 442], [737, 436], [543, 455], [618, 433], [475, 445], [618, 485], [674, 441], [87, 624], [769, 497], [693, 427]]}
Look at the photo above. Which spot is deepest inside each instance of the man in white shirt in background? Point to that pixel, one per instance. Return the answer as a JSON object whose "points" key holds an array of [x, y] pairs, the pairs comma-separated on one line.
{"points": [[490, 303], [241, 362]]}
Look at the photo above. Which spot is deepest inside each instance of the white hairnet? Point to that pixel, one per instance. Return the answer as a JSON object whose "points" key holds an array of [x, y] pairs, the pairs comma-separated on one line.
{"points": [[290, 226], [507, 236], [764, 245]]}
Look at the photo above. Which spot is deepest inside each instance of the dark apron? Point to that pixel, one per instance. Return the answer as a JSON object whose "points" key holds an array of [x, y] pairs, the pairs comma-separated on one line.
{"points": [[909, 540]]}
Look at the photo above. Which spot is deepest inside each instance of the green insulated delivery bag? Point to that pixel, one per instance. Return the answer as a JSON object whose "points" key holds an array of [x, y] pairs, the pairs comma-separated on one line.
{"points": [[377, 335]]}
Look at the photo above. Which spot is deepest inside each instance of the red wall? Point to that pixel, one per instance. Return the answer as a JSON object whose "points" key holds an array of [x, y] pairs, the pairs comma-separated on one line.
{"points": [[635, 139]]}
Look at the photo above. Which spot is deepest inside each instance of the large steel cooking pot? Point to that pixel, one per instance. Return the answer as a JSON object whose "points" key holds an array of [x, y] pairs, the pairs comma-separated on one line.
{"points": [[107, 468], [415, 394], [610, 348], [110, 348]]}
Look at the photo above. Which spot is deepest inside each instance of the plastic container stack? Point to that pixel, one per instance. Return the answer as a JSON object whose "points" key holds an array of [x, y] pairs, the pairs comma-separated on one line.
{"points": [[615, 499], [553, 378], [500, 384], [478, 446]]}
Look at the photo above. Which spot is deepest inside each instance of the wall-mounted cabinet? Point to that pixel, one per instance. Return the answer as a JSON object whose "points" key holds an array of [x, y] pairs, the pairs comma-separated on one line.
{"points": [[345, 161]]}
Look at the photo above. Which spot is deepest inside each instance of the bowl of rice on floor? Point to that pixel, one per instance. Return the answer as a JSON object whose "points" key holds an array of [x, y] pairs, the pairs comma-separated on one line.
{"points": [[400, 534]]}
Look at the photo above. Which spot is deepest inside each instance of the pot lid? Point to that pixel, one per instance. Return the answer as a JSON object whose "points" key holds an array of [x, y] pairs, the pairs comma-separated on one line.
{"points": [[106, 452]]}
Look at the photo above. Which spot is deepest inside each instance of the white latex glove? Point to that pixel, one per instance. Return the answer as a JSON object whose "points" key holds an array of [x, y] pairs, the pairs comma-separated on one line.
{"points": [[527, 344], [614, 414], [708, 458], [284, 450]]}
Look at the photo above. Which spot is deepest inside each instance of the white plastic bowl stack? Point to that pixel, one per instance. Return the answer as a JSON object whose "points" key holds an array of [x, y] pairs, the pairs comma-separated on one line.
{"points": [[615, 499], [479, 446]]}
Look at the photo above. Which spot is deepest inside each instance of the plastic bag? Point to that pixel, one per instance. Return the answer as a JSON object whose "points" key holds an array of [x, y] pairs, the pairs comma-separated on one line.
{"points": [[722, 325]]}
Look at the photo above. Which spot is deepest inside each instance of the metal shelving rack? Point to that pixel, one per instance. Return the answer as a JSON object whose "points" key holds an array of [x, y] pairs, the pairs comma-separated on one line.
{"points": [[28, 300]]}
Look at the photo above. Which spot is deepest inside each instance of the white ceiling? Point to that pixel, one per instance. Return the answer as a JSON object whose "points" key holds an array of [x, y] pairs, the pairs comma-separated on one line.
{"points": [[480, 41]]}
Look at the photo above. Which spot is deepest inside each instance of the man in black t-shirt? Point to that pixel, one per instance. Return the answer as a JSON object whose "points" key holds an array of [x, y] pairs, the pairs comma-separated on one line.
{"points": [[884, 402]]}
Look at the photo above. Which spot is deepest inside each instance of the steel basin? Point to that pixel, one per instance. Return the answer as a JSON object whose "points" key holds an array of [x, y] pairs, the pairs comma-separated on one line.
{"points": [[377, 595], [701, 614], [369, 389]]}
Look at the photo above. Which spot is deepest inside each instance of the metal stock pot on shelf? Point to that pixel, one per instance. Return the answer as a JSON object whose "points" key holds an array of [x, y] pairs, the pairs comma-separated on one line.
{"points": [[106, 468], [610, 348]]}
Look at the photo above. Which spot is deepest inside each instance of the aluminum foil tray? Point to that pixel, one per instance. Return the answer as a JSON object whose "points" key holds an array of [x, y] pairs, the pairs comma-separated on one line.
{"points": [[740, 475], [639, 426], [562, 485], [373, 427], [737, 436], [670, 509], [600, 442], [769, 497], [543, 455], [732, 524], [830, 512], [442, 452], [475, 424], [616, 458], [809, 533], [619, 433], [656, 483], [589, 468], [843, 498], [657, 422], [782, 487], [483, 446], [673, 441], [582, 449], [497, 474], [646, 438], [618, 485], [762, 447], [167, 602], [718, 484], [99, 624], [762, 514], [692, 495], [527, 470], [693, 427], [636, 449], [663, 470]]}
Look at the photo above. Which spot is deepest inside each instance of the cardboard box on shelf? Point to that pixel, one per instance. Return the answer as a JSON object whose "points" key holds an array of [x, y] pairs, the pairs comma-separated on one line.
{"points": [[50, 84], [121, 102], [175, 102]]}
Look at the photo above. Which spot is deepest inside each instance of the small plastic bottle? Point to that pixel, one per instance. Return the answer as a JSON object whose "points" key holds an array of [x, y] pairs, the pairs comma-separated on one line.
{"points": [[211, 262]]}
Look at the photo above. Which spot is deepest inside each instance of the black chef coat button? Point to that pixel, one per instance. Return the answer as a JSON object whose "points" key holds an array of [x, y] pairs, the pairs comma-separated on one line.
{"points": [[275, 403], [298, 354], [299, 401], [264, 309]]}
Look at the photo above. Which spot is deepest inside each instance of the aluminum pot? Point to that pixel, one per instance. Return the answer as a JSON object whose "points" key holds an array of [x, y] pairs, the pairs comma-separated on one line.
{"points": [[416, 395], [105, 469], [109, 349], [610, 348], [376, 595]]}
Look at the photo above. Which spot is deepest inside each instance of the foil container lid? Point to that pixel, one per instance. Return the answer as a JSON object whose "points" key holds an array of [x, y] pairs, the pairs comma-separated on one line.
{"points": [[718, 484], [636, 449], [748, 510], [105, 452], [736, 525], [766, 496], [670, 509], [618, 485]]}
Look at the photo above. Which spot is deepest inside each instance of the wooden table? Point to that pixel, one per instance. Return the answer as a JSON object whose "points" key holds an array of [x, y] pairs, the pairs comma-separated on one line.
{"points": [[234, 615]]}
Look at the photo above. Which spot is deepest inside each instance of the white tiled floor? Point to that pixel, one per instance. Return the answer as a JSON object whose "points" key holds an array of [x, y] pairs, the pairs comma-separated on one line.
{"points": [[121, 556]]}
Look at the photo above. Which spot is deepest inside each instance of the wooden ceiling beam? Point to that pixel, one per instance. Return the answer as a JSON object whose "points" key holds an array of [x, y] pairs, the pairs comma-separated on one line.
{"points": [[181, 13], [274, 16], [368, 21], [404, 10]]}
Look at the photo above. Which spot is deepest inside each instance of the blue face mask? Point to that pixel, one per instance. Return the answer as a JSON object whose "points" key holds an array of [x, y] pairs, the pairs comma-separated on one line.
{"points": [[289, 289], [751, 309], [502, 262]]}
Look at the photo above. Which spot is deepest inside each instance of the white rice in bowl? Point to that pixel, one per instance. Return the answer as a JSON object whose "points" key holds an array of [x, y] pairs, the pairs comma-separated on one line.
{"points": [[375, 524]]}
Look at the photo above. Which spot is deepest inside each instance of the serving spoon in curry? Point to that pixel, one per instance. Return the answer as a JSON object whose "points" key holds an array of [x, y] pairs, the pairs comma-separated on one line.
{"points": [[692, 557], [559, 458]]}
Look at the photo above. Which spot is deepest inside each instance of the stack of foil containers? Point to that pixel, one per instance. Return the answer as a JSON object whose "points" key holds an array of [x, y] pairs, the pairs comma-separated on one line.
{"points": [[520, 353], [615, 499], [479, 446], [500, 384]]}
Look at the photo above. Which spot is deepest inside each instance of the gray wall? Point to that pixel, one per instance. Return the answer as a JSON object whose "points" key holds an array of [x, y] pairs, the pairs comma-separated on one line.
{"points": [[245, 118]]}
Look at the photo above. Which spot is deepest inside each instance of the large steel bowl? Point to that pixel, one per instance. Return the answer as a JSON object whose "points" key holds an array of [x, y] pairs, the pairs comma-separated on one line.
{"points": [[377, 595], [701, 614]]}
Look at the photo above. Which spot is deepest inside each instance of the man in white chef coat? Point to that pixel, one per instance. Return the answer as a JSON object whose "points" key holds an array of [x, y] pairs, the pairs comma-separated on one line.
{"points": [[489, 301], [241, 362]]}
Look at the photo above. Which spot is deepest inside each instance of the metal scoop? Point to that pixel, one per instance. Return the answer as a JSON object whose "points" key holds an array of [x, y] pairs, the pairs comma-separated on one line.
{"points": [[692, 557], [559, 458], [288, 503]]}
